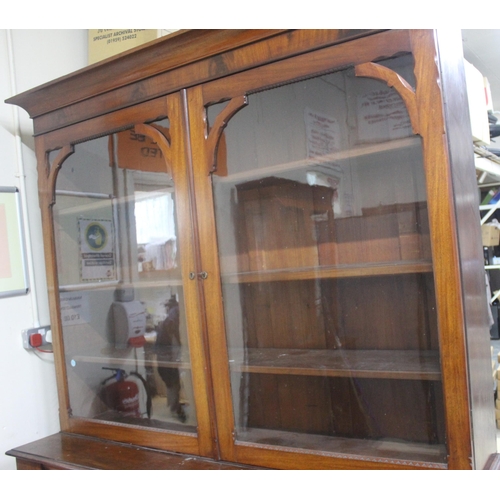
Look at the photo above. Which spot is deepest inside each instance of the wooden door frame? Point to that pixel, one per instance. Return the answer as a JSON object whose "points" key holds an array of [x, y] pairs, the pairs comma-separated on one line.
{"points": [[201, 443], [429, 116]]}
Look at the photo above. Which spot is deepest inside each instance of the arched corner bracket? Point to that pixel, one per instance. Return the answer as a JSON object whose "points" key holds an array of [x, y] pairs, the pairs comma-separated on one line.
{"points": [[53, 170], [392, 79], [234, 105], [161, 140]]}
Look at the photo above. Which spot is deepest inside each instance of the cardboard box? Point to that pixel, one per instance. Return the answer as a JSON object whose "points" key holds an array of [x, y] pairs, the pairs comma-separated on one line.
{"points": [[106, 43], [478, 105], [490, 235]]}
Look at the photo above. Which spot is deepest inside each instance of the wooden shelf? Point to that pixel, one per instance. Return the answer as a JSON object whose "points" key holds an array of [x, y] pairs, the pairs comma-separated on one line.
{"points": [[118, 359], [159, 278], [148, 279], [325, 160], [93, 285], [73, 451], [325, 272], [154, 423], [387, 364], [379, 450]]}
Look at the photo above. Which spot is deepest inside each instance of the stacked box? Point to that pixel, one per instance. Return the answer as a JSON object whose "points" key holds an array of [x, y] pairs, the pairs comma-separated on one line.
{"points": [[490, 235]]}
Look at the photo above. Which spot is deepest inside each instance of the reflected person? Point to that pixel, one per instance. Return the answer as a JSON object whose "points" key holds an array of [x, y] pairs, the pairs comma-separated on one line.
{"points": [[168, 348]]}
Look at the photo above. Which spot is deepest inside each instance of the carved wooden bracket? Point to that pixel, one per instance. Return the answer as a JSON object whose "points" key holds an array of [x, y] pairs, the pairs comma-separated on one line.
{"points": [[233, 106], [161, 140], [53, 170], [392, 79]]}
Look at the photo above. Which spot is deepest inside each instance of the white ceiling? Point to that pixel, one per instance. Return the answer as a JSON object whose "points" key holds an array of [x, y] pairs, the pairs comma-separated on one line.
{"points": [[482, 50]]}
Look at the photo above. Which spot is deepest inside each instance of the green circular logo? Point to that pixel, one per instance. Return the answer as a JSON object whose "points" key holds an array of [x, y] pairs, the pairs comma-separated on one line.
{"points": [[96, 236]]}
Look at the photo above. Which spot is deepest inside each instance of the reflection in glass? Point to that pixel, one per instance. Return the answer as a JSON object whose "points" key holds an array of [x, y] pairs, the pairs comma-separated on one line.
{"points": [[122, 301], [326, 269]]}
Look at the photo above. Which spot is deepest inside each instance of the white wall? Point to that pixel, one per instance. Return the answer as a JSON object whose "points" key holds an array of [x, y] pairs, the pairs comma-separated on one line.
{"points": [[29, 408]]}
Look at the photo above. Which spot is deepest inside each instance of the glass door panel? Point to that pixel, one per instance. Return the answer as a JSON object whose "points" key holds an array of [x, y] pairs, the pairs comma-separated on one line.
{"points": [[120, 283], [326, 268]]}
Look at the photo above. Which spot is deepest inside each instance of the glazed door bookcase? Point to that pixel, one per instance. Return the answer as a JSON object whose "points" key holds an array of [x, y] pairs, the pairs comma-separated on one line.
{"points": [[130, 355], [265, 234], [329, 271]]}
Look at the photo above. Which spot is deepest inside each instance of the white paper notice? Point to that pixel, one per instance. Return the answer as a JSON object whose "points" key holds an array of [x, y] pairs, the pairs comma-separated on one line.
{"points": [[322, 133], [74, 308], [323, 139], [97, 254], [382, 115]]}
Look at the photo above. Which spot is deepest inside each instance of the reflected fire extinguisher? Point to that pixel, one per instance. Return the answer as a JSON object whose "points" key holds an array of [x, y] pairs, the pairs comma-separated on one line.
{"points": [[120, 393]]}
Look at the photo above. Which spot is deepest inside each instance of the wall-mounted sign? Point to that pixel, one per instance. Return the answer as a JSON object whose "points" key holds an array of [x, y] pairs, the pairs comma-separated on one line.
{"points": [[107, 43], [13, 276], [97, 253]]}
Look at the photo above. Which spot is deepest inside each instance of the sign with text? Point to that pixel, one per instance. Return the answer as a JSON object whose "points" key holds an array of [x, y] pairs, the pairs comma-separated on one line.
{"points": [[74, 308], [97, 254], [110, 42], [382, 115]]}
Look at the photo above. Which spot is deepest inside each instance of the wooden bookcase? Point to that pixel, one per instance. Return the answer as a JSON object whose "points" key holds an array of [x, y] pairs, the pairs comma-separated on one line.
{"points": [[320, 257]]}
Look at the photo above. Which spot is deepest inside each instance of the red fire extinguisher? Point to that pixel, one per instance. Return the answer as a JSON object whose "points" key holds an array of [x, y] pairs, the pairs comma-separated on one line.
{"points": [[122, 394]]}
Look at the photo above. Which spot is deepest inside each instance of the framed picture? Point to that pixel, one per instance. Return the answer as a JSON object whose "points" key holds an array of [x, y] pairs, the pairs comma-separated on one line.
{"points": [[13, 276]]}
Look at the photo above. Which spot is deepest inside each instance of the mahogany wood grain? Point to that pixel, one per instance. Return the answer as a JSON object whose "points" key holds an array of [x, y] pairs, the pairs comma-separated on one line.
{"points": [[434, 271], [154, 110], [149, 59], [445, 254], [198, 299], [216, 130], [70, 452], [345, 454], [203, 444], [209, 262], [466, 201], [28, 465], [194, 301], [145, 73], [46, 186], [303, 66], [430, 129], [159, 439]]}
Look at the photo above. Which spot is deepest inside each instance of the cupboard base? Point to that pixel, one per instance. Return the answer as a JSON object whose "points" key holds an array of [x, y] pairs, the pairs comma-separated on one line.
{"points": [[64, 451]]}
